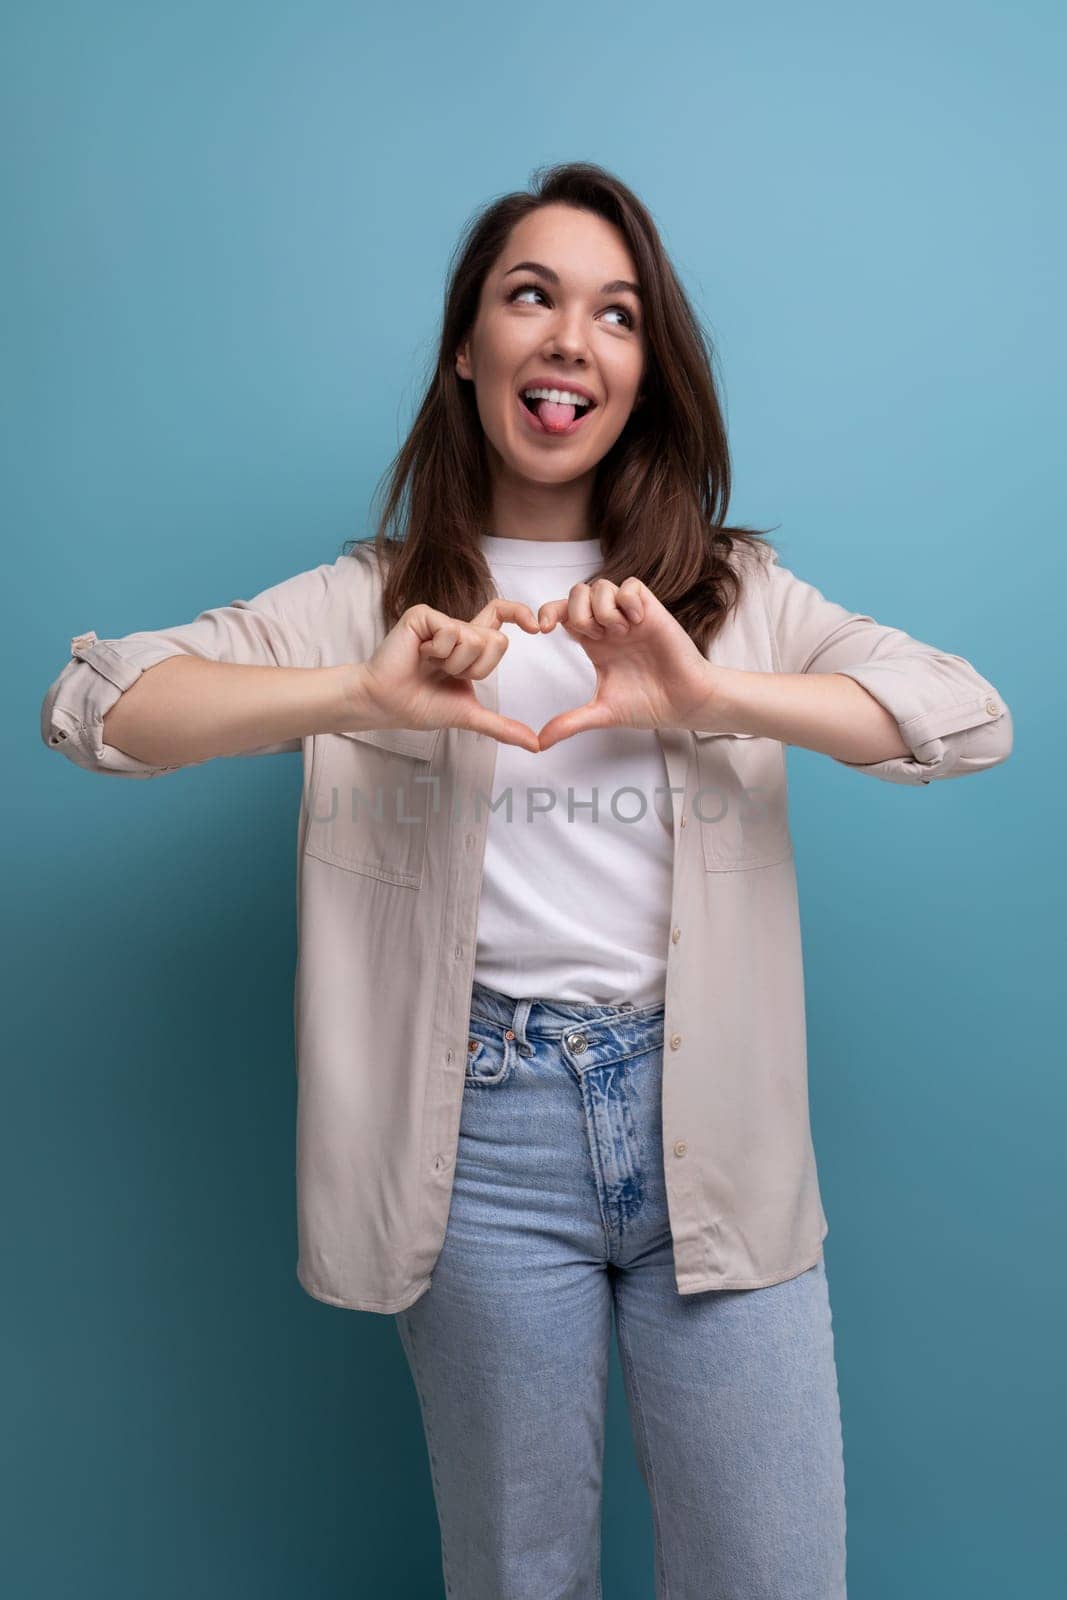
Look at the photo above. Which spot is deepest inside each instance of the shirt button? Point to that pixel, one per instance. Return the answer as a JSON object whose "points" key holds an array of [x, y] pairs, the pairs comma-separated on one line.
{"points": [[676, 1040], [683, 822], [57, 738], [680, 1147], [676, 935], [470, 840], [578, 1042], [992, 707], [459, 950]]}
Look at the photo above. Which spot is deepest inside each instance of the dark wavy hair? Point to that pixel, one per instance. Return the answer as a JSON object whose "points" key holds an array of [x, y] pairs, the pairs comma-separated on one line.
{"points": [[660, 493]]}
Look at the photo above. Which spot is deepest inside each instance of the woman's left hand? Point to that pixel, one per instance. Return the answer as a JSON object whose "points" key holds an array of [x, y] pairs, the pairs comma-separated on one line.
{"points": [[649, 672]]}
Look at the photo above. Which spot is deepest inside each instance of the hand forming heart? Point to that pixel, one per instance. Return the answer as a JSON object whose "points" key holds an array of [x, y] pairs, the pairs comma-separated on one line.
{"points": [[649, 672]]}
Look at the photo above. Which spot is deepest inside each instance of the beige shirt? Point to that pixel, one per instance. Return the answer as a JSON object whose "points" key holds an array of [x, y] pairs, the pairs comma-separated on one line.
{"points": [[388, 911]]}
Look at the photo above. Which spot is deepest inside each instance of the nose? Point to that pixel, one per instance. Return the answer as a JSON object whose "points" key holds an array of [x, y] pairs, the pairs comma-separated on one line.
{"points": [[567, 340]]}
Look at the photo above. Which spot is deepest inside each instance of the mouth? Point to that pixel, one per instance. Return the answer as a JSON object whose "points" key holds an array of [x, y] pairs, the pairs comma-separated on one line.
{"points": [[560, 422]]}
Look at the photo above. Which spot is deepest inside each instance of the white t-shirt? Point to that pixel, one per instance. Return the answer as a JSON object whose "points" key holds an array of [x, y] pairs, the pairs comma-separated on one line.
{"points": [[572, 908]]}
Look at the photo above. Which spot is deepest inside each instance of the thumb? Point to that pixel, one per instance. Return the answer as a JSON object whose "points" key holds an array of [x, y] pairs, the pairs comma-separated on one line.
{"points": [[579, 720], [506, 730]]}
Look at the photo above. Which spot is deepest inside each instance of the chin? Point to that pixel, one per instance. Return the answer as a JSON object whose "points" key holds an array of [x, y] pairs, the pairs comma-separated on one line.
{"points": [[554, 465], [547, 472]]}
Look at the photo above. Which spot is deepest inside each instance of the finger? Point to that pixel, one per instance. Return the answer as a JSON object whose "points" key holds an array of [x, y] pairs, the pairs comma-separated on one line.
{"points": [[479, 655], [630, 598], [440, 638], [581, 612], [462, 643], [467, 647], [630, 601], [493, 647], [506, 730], [581, 719], [501, 610], [604, 601], [425, 621], [551, 612]]}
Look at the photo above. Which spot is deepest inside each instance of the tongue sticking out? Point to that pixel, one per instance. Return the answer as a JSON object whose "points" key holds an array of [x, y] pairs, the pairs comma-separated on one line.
{"points": [[554, 415]]}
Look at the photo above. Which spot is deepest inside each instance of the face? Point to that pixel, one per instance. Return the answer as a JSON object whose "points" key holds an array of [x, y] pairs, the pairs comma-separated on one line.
{"points": [[568, 325]]}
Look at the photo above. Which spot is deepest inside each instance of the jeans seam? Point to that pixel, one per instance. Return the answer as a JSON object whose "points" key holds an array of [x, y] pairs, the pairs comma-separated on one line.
{"points": [[643, 1434], [417, 1374]]}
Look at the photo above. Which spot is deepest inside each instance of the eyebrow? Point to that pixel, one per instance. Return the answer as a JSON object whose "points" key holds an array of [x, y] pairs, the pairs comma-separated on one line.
{"points": [[616, 286]]}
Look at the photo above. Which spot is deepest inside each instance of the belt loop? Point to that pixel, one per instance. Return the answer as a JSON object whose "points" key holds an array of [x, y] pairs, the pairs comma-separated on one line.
{"points": [[518, 1021]]}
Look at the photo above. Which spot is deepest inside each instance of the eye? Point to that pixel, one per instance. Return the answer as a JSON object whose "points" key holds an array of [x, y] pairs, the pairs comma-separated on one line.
{"points": [[535, 288], [525, 288]]}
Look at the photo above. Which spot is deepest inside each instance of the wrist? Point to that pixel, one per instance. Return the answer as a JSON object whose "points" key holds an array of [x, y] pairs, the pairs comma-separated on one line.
{"points": [[356, 706], [723, 708]]}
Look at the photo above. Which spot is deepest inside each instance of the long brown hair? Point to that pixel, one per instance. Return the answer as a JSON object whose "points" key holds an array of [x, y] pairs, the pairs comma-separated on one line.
{"points": [[661, 491]]}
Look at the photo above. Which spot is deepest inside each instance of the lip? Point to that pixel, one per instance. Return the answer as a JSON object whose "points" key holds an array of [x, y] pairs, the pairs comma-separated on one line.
{"points": [[535, 424], [554, 383]]}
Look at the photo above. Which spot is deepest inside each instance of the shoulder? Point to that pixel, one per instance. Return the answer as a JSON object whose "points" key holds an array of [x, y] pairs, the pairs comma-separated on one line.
{"points": [[354, 578], [350, 625], [752, 558], [358, 570], [753, 563]]}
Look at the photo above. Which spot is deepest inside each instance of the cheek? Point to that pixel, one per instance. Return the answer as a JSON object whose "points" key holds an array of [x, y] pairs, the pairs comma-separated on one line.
{"points": [[495, 389], [624, 392], [623, 377], [505, 346], [636, 370]]}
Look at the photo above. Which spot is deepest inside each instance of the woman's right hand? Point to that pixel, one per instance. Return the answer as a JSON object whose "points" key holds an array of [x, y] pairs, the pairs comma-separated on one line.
{"points": [[419, 676]]}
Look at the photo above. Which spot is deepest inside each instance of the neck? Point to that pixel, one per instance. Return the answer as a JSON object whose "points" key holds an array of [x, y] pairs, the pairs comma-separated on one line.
{"points": [[549, 511]]}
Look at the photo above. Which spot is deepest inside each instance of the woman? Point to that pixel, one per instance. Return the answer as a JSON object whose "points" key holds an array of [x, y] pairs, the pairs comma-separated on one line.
{"points": [[549, 997]]}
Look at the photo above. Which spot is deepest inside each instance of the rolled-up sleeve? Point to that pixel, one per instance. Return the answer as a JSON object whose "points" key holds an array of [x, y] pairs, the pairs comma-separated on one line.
{"points": [[277, 627], [953, 720]]}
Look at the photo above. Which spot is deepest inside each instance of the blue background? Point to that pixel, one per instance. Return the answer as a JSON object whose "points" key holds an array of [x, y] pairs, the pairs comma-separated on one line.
{"points": [[226, 230]]}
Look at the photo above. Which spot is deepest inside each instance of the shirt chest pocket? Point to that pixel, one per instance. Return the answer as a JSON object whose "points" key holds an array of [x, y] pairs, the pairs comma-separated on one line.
{"points": [[740, 802], [373, 793]]}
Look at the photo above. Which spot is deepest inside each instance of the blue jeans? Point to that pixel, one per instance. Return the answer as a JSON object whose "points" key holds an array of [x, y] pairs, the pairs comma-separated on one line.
{"points": [[558, 1214]]}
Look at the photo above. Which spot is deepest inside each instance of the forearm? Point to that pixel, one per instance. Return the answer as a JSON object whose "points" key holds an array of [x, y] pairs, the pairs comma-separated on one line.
{"points": [[186, 710], [822, 711]]}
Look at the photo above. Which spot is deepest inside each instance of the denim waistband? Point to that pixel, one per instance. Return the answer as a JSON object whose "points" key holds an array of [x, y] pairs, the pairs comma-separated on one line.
{"points": [[549, 1017]]}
